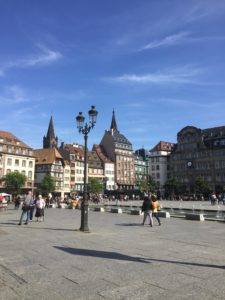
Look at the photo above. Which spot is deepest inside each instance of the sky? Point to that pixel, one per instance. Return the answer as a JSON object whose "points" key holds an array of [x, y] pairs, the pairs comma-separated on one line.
{"points": [[159, 64]]}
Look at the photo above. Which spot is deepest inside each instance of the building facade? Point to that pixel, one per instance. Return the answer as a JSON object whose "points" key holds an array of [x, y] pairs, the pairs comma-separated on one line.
{"points": [[74, 154], [158, 163], [140, 170], [15, 155], [119, 150], [199, 153], [50, 162], [108, 167]]}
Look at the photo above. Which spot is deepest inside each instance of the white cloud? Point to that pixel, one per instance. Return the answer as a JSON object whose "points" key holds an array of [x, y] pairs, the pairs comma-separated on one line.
{"points": [[13, 95], [188, 103], [184, 75], [46, 57], [167, 41]]}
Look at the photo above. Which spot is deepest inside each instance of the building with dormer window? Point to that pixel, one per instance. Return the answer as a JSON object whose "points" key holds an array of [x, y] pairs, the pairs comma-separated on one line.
{"points": [[119, 150]]}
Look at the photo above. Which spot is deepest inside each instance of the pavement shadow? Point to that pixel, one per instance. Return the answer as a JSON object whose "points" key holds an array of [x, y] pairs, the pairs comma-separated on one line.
{"points": [[186, 263], [129, 224], [102, 254]]}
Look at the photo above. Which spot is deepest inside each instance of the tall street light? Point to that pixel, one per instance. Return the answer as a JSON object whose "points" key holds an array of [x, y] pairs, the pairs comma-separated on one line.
{"points": [[85, 128]]}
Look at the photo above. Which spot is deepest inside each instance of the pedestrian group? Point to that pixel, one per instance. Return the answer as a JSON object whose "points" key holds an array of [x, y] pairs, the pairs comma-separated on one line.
{"points": [[31, 203], [150, 208]]}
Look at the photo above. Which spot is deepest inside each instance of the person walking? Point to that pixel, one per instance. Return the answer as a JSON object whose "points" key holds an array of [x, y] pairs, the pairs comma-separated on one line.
{"points": [[32, 207], [155, 209], [26, 208], [40, 205], [146, 208]]}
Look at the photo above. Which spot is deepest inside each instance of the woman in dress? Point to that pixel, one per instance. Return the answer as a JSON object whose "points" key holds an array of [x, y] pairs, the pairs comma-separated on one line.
{"points": [[40, 205]]}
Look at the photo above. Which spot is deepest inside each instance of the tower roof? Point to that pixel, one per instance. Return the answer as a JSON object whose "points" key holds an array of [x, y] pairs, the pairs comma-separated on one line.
{"points": [[113, 123], [50, 140], [51, 132]]}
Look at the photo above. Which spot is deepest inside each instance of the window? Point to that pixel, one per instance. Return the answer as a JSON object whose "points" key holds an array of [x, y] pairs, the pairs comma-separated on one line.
{"points": [[30, 164], [8, 171], [24, 151], [9, 161], [9, 149], [24, 173], [17, 150], [30, 175], [23, 163], [17, 162]]}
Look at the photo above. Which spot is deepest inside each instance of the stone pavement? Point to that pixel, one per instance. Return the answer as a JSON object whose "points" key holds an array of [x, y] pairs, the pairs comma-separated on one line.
{"points": [[119, 259]]}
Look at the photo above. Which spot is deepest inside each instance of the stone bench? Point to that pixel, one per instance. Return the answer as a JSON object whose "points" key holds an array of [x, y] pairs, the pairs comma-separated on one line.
{"points": [[195, 217], [136, 212], [116, 210], [101, 209], [164, 214]]}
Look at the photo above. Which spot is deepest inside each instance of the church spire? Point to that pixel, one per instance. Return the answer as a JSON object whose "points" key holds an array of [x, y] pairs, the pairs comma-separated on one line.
{"points": [[50, 140], [113, 126]]}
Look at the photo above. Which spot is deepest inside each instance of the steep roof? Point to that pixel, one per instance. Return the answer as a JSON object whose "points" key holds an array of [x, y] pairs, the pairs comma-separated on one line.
{"points": [[11, 139], [120, 138], [163, 146], [46, 156], [101, 154]]}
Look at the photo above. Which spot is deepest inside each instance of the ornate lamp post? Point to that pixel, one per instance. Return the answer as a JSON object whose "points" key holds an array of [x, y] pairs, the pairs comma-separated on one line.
{"points": [[85, 128]]}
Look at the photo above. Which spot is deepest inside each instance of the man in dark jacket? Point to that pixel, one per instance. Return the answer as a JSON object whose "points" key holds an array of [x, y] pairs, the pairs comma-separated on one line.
{"points": [[26, 208], [147, 209]]}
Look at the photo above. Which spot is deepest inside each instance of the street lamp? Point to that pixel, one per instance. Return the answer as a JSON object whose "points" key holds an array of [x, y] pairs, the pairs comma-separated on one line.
{"points": [[85, 128]]}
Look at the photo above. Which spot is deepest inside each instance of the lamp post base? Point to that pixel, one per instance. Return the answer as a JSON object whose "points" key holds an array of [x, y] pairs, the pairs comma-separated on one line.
{"points": [[84, 218]]}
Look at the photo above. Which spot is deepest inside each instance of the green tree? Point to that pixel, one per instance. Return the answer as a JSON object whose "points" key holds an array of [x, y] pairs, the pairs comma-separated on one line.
{"points": [[201, 186], [47, 184], [95, 185], [14, 181], [149, 185]]}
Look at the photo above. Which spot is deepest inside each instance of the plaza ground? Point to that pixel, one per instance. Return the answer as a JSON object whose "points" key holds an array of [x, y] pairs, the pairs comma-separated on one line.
{"points": [[119, 259]]}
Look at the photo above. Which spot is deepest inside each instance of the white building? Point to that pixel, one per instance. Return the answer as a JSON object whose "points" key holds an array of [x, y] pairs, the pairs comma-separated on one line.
{"points": [[158, 163]]}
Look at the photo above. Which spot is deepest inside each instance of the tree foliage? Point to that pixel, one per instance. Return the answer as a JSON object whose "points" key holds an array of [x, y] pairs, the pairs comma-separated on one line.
{"points": [[14, 181], [48, 184], [149, 185], [95, 185], [201, 186]]}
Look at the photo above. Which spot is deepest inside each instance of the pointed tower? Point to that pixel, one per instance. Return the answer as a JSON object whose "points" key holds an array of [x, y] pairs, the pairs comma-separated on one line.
{"points": [[113, 127], [50, 140]]}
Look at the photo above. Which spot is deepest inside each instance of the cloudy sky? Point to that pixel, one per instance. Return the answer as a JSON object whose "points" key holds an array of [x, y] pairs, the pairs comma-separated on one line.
{"points": [[159, 64]]}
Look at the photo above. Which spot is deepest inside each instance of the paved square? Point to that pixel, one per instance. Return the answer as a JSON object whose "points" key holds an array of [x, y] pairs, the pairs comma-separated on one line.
{"points": [[119, 259]]}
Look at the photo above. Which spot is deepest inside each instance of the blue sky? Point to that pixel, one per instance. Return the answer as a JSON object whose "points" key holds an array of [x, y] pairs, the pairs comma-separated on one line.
{"points": [[159, 64]]}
